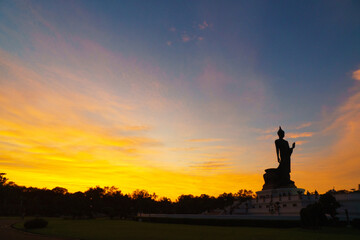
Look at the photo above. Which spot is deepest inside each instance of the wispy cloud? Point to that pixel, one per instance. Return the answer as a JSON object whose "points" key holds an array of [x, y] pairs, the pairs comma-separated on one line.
{"points": [[203, 25], [185, 37], [212, 164], [304, 125], [356, 75], [136, 128], [300, 135], [301, 142], [291, 135], [191, 35], [205, 140], [265, 131], [266, 137]]}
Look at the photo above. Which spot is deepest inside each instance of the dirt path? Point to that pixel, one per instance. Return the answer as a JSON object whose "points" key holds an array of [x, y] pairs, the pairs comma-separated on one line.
{"points": [[9, 233]]}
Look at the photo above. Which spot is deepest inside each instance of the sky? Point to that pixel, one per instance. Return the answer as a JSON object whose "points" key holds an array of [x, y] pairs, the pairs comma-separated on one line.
{"points": [[179, 97]]}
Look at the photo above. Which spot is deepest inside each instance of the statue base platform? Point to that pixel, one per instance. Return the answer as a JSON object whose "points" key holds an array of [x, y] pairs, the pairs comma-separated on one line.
{"points": [[275, 202], [275, 179], [280, 192]]}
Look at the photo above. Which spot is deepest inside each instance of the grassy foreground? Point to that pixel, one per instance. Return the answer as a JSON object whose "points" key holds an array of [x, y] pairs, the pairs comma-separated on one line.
{"points": [[105, 229]]}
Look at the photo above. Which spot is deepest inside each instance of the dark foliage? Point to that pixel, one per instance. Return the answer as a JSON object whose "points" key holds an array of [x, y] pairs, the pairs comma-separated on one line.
{"points": [[356, 223], [35, 223], [329, 204], [107, 201], [313, 216]]}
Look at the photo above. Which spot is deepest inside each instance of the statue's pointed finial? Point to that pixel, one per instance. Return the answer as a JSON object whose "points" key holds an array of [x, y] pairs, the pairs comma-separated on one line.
{"points": [[280, 132]]}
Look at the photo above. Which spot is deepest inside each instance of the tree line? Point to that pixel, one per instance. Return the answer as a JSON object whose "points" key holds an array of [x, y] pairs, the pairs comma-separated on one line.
{"points": [[106, 201]]}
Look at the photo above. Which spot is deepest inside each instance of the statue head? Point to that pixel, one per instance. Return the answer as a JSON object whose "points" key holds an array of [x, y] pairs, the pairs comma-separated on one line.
{"points": [[281, 133]]}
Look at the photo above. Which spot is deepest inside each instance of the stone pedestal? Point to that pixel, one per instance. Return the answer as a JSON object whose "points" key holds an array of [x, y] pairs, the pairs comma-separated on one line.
{"points": [[274, 179], [275, 202], [285, 192]]}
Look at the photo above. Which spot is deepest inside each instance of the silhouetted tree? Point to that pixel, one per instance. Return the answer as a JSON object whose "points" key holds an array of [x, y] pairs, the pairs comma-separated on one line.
{"points": [[329, 204], [165, 205], [224, 200], [243, 195], [313, 216], [107, 201], [3, 179], [144, 201], [94, 197]]}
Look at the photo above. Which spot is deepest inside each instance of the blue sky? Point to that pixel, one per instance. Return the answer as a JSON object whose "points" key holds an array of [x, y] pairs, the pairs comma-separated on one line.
{"points": [[193, 89]]}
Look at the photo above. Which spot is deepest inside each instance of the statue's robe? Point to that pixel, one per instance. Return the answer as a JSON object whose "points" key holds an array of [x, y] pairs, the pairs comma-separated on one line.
{"points": [[285, 153]]}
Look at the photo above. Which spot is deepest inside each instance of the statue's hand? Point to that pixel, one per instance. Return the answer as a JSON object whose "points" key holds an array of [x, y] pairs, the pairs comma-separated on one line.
{"points": [[293, 146]]}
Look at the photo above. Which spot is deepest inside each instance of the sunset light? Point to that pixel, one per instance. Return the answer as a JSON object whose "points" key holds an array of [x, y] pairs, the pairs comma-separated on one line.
{"points": [[138, 96]]}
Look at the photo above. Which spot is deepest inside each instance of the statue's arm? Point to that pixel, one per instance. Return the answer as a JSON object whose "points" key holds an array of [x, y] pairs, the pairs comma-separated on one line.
{"points": [[292, 148], [277, 151]]}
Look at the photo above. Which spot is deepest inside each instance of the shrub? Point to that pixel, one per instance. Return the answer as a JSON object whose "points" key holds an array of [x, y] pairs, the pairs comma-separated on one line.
{"points": [[313, 216], [35, 223], [356, 223], [329, 205]]}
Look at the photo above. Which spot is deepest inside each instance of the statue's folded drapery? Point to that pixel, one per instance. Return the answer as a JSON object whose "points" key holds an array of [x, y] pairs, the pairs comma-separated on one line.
{"points": [[285, 153]]}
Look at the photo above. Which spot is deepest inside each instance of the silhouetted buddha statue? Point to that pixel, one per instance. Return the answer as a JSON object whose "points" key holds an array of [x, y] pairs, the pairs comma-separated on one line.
{"points": [[280, 177], [283, 153]]}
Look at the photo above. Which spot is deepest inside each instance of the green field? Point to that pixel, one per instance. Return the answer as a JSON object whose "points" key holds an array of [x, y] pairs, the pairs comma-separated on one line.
{"points": [[103, 229]]}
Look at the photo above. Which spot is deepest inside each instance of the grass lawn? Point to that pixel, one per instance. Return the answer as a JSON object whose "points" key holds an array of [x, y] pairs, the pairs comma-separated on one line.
{"points": [[104, 229]]}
